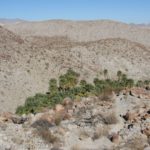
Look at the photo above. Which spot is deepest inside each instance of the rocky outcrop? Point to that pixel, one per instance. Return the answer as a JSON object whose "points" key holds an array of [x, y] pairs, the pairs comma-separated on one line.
{"points": [[140, 93]]}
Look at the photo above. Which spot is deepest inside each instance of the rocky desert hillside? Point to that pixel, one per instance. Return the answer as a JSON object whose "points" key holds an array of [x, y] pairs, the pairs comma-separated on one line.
{"points": [[117, 122], [33, 52], [102, 102]]}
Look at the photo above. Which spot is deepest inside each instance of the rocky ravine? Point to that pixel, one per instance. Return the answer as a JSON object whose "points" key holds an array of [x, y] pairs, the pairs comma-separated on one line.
{"points": [[115, 121]]}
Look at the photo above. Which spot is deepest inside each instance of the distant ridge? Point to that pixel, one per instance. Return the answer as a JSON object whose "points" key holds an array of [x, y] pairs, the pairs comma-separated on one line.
{"points": [[7, 21], [82, 30]]}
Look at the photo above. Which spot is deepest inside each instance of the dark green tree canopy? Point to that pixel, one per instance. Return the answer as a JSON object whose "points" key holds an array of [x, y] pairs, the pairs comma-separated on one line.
{"points": [[70, 86]]}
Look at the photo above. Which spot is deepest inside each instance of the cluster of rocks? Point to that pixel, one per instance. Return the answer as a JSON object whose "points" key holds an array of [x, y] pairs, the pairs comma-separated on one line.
{"points": [[134, 107], [120, 121]]}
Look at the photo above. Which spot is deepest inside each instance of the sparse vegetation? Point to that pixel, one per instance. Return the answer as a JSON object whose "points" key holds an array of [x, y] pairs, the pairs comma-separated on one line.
{"points": [[107, 95], [144, 84], [101, 131], [70, 86], [58, 119], [41, 123], [46, 135], [136, 143], [110, 118], [83, 134]]}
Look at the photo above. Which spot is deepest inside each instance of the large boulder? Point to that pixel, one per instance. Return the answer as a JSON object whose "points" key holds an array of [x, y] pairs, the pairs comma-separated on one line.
{"points": [[140, 93], [59, 108], [115, 138], [3, 119], [18, 120], [67, 102], [130, 116], [44, 121], [146, 131]]}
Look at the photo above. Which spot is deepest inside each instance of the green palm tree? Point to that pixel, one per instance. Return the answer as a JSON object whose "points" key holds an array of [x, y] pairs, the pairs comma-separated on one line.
{"points": [[124, 77], [105, 73], [130, 83], [139, 83], [146, 82], [119, 74], [68, 80], [53, 86]]}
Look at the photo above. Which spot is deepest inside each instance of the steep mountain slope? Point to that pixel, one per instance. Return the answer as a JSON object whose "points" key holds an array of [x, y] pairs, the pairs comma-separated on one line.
{"points": [[83, 30], [7, 37], [27, 64]]}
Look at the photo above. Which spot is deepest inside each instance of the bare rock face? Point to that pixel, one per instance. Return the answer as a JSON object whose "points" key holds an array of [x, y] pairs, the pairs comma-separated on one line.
{"points": [[130, 116], [115, 138]]}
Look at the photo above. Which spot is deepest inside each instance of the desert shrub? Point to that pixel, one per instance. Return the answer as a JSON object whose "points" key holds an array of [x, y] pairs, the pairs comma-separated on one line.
{"points": [[136, 143], [41, 123], [83, 83], [83, 134], [100, 131], [110, 118], [58, 119], [107, 95], [46, 135]]}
